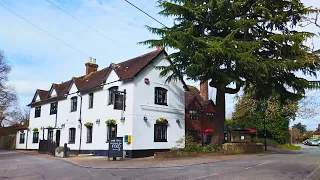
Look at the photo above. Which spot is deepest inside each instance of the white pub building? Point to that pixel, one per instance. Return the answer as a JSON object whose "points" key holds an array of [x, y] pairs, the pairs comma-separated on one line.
{"points": [[127, 100]]}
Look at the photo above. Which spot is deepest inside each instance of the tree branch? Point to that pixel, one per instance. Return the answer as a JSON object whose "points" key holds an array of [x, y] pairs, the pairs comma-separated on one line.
{"points": [[234, 91]]}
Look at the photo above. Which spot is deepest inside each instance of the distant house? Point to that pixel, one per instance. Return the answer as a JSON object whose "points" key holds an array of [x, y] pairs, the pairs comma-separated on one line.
{"points": [[130, 94], [199, 113]]}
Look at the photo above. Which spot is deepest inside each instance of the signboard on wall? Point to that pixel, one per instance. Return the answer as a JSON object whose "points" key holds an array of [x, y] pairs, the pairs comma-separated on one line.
{"points": [[116, 147], [119, 101]]}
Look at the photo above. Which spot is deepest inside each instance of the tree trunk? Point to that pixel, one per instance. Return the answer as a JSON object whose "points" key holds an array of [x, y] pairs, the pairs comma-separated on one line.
{"points": [[220, 116]]}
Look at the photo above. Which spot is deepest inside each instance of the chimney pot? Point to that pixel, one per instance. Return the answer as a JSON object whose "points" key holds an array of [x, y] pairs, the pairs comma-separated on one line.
{"points": [[91, 67], [204, 90], [94, 60]]}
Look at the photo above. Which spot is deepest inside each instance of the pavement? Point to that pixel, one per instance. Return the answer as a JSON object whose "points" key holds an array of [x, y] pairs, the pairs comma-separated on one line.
{"points": [[283, 165]]}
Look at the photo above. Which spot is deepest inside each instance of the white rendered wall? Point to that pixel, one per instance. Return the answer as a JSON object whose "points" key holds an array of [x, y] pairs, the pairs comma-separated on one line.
{"points": [[143, 132]]}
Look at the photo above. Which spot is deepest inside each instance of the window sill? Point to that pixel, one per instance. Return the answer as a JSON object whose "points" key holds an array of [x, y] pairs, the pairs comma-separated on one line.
{"points": [[73, 111], [162, 108], [21, 143], [89, 142], [161, 141], [161, 104]]}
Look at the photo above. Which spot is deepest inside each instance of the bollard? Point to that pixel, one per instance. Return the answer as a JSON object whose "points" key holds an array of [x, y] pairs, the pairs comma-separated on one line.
{"points": [[65, 149]]}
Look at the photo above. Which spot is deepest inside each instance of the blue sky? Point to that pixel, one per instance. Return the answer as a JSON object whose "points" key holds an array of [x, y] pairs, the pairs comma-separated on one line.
{"points": [[39, 60]]}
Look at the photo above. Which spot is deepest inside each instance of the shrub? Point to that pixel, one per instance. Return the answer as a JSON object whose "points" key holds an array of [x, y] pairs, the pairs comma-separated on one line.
{"points": [[161, 121], [111, 122], [49, 127], [35, 129], [88, 124], [59, 149]]}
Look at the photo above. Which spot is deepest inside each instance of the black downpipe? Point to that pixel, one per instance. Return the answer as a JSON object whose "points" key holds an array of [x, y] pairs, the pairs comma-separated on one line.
{"points": [[55, 125], [80, 121], [43, 133], [27, 140]]}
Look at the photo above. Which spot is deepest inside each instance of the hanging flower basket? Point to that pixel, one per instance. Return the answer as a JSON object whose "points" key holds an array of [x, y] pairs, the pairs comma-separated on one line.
{"points": [[35, 129], [88, 124], [111, 122], [49, 127], [162, 121]]}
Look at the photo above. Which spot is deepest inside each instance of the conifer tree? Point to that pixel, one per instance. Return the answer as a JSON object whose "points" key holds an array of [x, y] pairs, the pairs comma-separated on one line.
{"points": [[247, 43]]}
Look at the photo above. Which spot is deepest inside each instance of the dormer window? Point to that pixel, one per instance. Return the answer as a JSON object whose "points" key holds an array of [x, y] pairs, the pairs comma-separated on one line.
{"points": [[74, 103], [53, 108], [112, 91], [90, 100], [160, 96], [37, 112]]}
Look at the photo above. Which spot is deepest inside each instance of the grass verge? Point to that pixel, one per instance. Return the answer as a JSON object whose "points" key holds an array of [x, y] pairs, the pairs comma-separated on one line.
{"points": [[289, 147]]}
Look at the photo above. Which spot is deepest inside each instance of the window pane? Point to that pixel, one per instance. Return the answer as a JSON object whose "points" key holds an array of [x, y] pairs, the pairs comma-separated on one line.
{"points": [[91, 100], [160, 96], [21, 140], [112, 92], [111, 132], [160, 133], [74, 103], [37, 112], [89, 134], [72, 135]]}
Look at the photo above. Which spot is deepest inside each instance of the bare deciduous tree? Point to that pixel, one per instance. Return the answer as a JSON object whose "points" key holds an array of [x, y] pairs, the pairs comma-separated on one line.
{"points": [[8, 97]]}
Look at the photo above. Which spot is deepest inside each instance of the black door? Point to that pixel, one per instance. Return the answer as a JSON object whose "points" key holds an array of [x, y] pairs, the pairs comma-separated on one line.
{"points": [[58, 137]]}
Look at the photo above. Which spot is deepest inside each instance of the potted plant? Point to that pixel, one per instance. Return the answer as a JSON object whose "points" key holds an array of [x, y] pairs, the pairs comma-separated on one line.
{"points": [[88, 124], [49, 127], [59, 152], [111, 122], [162, 121], [35, 129]]}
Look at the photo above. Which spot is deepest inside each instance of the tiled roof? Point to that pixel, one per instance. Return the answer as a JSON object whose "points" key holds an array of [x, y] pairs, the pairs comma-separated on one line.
{"points": [[195, 93], [42, 94], [132, 67], [125, 70]]}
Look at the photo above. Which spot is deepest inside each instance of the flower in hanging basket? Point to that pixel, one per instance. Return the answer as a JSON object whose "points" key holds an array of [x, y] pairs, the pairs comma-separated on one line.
{"points": [[49, 127], [162, 121], [35, 129], [111, 122], [88, 124]]}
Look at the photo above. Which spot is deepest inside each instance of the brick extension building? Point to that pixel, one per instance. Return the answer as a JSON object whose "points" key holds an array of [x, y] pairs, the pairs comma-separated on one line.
{"points": [[199, 113]]}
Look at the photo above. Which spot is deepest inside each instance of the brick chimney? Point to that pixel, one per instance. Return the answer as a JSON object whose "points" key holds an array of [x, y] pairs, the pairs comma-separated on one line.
{"points": [[91, 66], [204, 90], [318, 127]]}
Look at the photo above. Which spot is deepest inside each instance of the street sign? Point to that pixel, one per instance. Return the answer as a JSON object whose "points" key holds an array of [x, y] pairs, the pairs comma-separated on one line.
{"points": [[116, 147]]}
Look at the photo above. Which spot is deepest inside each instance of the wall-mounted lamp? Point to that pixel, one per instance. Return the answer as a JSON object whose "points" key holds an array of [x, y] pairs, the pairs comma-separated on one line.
{"points": [[41, 128], [98, 121], [122, 118], [145, 118], [178, 120], [63, 125], [79, 126]]}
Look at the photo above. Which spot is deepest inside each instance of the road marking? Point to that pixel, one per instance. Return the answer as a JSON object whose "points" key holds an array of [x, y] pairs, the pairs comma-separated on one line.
{"points": [[312, 173], [258, 165], [201, 177]]}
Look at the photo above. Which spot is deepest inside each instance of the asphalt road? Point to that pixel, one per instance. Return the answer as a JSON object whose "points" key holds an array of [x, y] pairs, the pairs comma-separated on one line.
{"points": [[283, 165]]}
